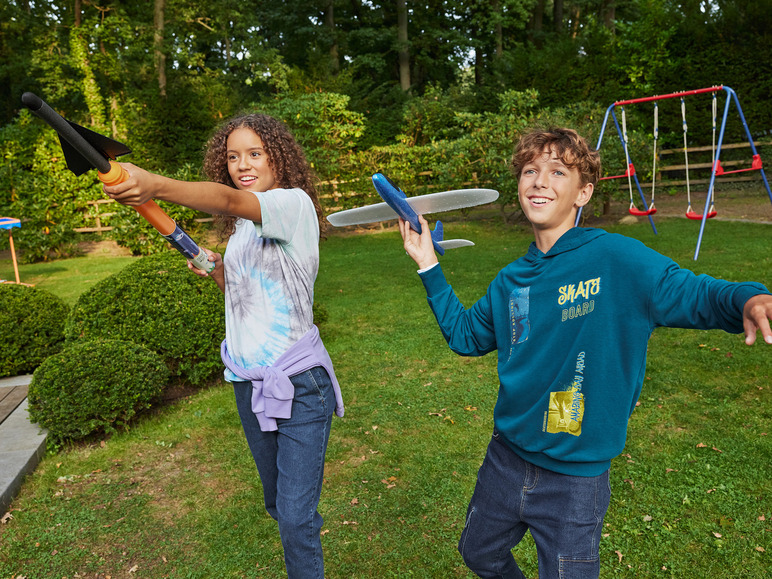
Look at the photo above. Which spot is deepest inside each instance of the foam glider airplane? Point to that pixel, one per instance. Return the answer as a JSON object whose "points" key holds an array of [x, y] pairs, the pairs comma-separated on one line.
{"points": [[397, 204], [84, 150]]}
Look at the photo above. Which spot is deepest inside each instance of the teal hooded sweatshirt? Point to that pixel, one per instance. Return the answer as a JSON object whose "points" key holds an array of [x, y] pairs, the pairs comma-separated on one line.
{"points": [[571, 329]]}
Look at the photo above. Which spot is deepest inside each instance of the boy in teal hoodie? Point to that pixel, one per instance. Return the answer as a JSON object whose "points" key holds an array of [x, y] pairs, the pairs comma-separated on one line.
{"points": [[570, 322]]}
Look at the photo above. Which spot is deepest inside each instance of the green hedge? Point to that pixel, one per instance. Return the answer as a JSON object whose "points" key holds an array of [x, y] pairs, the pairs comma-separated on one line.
{"points": [[157, 302], [94, 387], [31, 327]]}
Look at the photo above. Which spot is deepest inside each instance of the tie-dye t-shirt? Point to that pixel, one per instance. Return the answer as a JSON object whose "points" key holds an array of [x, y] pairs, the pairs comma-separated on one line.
{"points": [[270, 269]]}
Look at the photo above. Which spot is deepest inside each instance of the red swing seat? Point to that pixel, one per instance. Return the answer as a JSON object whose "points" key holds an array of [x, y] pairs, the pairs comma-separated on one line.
{"points": [[641, 212], [691, 214], [756, 165]]}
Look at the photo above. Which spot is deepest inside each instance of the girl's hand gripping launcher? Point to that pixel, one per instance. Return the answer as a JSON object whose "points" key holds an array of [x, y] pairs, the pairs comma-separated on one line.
{"points": [[84, 150]]}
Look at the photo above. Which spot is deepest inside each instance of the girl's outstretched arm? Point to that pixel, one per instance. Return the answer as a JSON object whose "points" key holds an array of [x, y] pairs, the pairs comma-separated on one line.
{"points": [[206, 196]]}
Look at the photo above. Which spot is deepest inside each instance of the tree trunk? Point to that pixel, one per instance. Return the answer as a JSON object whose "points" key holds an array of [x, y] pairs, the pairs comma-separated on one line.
{"points": [[557, 15], [80, 61], [403, 46], [158, 45], [498, 29], [478, 66], [537, 22], [608, 13], [329, 21], [576, 13], [356, 10], [537, 17]]}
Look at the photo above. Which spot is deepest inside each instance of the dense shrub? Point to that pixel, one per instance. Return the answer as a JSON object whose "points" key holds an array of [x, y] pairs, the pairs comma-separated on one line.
{"points": [[31, 327], [93, 387], [158, 303]]}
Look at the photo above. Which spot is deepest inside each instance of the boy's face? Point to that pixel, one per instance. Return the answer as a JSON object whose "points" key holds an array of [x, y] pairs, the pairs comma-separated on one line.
{"points": [[550, 193]]}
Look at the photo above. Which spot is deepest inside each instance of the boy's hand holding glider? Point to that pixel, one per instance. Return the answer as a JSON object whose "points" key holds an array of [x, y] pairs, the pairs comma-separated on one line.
{"points": [[418, 246]]}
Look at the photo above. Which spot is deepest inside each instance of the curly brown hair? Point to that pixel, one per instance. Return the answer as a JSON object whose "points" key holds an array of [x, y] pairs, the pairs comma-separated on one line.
{"points": [[569, 146], [285, 157]]}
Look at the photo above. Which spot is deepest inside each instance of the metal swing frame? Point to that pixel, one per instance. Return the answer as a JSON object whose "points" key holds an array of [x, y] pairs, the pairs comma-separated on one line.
{"points": [[731, 96]]}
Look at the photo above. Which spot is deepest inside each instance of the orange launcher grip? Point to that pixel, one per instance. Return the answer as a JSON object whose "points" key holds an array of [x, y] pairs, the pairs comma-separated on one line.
{"points": [[152, 213]]}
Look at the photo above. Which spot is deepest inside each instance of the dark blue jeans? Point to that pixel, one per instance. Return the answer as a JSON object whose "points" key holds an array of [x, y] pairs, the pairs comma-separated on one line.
{"points": [[564, 514], [290, 462]]}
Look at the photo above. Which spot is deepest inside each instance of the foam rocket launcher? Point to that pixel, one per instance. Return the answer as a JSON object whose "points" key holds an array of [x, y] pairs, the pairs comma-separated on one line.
{"points": [[84, 150]]}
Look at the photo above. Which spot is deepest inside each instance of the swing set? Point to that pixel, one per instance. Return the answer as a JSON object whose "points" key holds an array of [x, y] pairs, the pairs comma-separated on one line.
{"points": [[649, 208]]}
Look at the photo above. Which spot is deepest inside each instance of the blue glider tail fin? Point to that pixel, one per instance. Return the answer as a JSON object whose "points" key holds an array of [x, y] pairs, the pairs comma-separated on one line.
{"points": [[437, 234]]}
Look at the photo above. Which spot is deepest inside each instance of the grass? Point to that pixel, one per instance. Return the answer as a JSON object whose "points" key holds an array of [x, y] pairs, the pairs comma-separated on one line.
{"points": [[178, 495]]}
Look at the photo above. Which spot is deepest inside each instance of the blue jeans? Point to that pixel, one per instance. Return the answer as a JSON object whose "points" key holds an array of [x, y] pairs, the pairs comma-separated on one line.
{"points": [[564, 514], [290, 462]]}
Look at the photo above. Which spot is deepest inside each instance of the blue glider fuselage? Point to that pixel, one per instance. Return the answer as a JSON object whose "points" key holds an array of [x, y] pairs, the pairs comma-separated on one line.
{"points": [[395, 198]]}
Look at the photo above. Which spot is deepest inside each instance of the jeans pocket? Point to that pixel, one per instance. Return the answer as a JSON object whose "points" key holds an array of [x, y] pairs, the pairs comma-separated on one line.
{"points": [[309, 400], [323, 384], [579, 568]]}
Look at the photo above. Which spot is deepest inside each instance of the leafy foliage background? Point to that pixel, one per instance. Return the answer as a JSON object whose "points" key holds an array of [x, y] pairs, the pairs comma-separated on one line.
{"points": [[479, 74]]}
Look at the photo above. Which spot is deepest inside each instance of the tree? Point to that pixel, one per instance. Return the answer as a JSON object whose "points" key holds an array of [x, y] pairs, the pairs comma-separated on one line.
{"points": [[403, 48], [158, 45], [329, 21]]}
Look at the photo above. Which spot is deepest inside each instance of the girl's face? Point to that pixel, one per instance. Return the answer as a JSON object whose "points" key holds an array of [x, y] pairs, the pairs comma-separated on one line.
{"points": [[248, 162]]}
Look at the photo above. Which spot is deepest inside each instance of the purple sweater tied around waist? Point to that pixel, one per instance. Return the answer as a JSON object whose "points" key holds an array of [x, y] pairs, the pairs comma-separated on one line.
{"points": [[272, 391]]}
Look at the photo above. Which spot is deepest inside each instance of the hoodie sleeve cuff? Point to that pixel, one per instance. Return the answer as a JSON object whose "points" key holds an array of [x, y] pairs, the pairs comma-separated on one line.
{"points": [[433, 279]]}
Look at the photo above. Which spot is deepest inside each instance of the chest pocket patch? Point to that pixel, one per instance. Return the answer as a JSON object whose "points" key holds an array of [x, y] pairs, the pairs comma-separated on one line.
{"points": [[519, 311]]}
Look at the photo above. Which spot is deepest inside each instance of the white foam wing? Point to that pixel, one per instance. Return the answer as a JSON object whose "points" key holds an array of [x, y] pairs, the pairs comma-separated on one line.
{"points": [[454, 243], [452, 200], [422, 204], [368, 214]]}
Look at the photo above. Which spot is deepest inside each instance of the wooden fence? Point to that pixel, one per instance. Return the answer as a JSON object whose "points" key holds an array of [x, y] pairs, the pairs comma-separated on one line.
{"points": [[96, 215]]}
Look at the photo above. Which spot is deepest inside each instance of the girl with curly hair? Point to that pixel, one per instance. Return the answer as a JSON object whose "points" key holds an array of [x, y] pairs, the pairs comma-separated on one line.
{"points": [[262, 190]]}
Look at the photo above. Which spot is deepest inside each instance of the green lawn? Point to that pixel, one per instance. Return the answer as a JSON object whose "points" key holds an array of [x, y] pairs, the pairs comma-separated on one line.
{"points": [[178, 495], [67, 278]]}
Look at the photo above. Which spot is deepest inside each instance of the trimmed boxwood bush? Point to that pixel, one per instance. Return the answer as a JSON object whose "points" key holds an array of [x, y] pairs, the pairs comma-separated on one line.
{"points": [[158, 303], [94, 386], [31, 327]]}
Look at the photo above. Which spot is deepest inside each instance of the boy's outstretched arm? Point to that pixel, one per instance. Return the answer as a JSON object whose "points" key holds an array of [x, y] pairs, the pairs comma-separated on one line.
{"points": [[418, 246], [756, 315]]}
